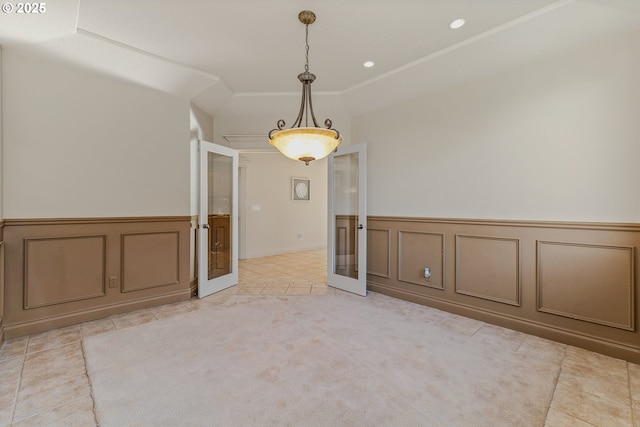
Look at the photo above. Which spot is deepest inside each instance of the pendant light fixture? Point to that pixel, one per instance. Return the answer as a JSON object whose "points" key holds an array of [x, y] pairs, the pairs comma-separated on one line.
{"points": [[305, 141]]}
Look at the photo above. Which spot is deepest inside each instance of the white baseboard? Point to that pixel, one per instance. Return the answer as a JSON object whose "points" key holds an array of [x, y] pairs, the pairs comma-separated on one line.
{"points": [[283, 251]]}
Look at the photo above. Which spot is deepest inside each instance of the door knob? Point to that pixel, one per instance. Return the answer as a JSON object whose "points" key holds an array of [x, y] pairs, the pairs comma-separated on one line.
{"points": [[360, 226]]}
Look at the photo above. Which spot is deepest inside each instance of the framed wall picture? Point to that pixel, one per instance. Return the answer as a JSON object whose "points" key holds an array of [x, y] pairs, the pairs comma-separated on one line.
{"points": [[300, 190]]}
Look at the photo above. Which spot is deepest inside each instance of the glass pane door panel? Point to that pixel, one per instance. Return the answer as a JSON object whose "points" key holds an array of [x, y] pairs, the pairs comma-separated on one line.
{"points": [[220, 201], [345, 214]]}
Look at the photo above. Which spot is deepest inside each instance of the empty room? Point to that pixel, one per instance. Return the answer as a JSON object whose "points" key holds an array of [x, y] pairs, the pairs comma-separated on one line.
{"points": [[339, 213]]}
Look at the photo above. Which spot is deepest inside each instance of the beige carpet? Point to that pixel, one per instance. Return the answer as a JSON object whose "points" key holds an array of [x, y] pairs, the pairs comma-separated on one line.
{"points": [[334, 360]]}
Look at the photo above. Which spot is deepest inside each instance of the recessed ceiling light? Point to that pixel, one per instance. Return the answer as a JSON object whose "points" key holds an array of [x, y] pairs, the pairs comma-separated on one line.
{"points": [[369, 64], [457, 23]]}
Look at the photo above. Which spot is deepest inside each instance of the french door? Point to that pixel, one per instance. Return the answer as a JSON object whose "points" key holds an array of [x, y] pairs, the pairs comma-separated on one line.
{"points": [[347, 215], [217, 219]]}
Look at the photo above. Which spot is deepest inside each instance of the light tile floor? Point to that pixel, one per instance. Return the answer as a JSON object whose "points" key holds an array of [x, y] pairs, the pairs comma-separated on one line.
{"points": [[45, 383]]}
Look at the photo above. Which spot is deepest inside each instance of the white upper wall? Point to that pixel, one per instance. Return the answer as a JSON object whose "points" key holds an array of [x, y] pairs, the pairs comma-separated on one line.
{"points": [[1, 175], [554, 140], [201, 124], [80, 144], [201, 129]]}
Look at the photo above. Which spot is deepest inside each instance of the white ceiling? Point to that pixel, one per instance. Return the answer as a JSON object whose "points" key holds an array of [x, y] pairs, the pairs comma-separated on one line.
{"points": [[243, 56]]}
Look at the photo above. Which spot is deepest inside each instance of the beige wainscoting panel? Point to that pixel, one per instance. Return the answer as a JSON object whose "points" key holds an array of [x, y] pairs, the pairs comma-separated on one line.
{"points": [[193, 253], [524, 275], [1, 287], [488, 268], [52, 267], [63, 269], [379, 252], [418, 250], [150, 260], [594, 283]]}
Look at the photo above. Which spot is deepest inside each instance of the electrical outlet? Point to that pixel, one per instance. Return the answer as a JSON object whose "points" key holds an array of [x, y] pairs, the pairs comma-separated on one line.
{"points": [[427, 273], [113, 282]]}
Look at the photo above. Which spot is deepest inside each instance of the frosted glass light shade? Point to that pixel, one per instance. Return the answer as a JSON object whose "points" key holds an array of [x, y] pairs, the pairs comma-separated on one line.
{"points": [[305, 143]]}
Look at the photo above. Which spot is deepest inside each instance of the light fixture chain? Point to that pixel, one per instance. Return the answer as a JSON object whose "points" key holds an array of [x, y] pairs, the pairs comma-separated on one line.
{"points": [[306, 43]]}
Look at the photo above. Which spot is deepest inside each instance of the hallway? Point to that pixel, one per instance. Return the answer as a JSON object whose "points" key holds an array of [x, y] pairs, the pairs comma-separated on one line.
{"points": [[298, 273]]}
